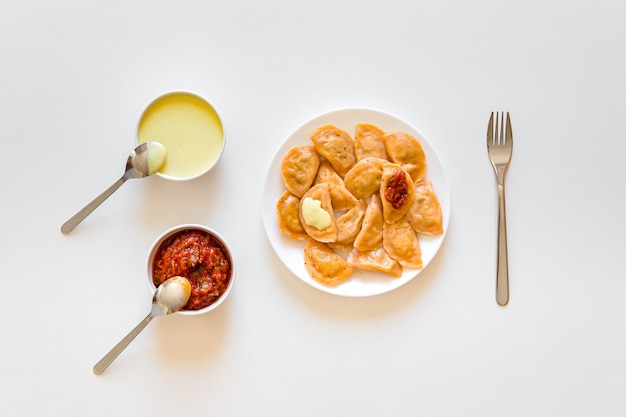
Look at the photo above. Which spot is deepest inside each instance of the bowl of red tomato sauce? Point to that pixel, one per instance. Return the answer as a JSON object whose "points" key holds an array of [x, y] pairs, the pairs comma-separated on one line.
{"points": [[199, 254]]}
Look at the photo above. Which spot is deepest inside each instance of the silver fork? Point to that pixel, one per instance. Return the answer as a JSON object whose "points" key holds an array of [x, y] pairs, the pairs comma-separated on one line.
{"points": [[499, 148]]}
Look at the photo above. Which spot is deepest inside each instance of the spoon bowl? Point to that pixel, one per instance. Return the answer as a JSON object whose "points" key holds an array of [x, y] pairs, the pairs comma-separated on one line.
{"points": [[172, 295], [146, 159], [169, 297]]}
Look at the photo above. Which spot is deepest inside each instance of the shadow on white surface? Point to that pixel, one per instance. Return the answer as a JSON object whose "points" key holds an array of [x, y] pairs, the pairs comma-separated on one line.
{"points": [[193, 339]]}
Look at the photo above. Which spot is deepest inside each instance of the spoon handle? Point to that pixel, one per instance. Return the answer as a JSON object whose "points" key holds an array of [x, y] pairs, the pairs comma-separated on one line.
{"points": [[69, 225], [117, 349]]}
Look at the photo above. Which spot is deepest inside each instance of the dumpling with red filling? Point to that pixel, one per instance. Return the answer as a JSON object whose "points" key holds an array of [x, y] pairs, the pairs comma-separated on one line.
{"points": [[397, 192]]}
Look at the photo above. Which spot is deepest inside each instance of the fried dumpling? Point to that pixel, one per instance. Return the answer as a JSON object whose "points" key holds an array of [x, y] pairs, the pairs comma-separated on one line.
{"points": [[406, 151], [425, 213], [368, 141], [340, 196], [298, 169], [397, 192], [336, 146], [402, 244], [316, 214], [375, 260], [287, 211], [324, 264], [363, 179], [349, 225], [370, 236]]}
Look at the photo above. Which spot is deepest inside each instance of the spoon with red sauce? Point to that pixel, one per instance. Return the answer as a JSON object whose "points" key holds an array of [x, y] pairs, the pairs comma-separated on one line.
{"points": [[146, 159], [170, 297]]}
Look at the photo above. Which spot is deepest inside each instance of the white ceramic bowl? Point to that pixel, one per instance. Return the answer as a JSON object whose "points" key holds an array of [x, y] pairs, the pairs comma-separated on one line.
{"points": [[220, 242], [190, 129]]}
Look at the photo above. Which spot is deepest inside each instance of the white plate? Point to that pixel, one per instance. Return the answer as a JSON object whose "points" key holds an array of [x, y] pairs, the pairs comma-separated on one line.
{"points": [[291, 252]]}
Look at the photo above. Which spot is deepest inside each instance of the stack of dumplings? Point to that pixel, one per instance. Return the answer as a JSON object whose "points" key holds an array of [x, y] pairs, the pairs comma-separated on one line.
{"points": [[358, 203]]}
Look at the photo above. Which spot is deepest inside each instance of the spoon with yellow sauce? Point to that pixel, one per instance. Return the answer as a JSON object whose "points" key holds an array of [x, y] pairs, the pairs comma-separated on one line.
{"points": [[146, 159], [170, 297]]}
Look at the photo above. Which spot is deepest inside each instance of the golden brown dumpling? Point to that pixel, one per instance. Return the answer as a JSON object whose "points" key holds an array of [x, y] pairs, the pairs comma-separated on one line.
{"points": [[368, 141], [287, 210], [425, 213], [402, 244], [316, 214], [405, 150], [298, 169], [349, 225], [324, 264], [375, 260], [337, 146], [340, 196], [397, 192], [371, 235], [363, 179]]}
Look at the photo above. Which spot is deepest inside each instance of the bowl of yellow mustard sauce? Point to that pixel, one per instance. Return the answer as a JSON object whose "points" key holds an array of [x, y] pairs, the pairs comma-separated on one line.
{"points": [[190, 129]]}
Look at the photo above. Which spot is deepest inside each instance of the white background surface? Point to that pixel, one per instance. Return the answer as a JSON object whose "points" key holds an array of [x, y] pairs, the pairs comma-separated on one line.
{"points": [[74, 79]]}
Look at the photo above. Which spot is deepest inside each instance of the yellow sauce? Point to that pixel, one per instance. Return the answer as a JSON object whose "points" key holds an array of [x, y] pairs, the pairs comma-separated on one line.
{"points": [[314, 215], [156, 156], [190, 130]]}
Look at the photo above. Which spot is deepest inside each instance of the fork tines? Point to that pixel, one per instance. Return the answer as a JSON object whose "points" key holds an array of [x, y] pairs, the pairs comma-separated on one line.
{"points": [[496, 130]]}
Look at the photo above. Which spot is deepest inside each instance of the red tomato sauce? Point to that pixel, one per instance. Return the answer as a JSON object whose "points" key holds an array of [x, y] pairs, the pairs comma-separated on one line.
{"points": [[197, 256], [397, 190]]}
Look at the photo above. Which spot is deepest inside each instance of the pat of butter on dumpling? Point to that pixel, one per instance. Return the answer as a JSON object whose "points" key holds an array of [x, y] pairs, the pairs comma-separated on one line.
{"points": [[314, 215]]}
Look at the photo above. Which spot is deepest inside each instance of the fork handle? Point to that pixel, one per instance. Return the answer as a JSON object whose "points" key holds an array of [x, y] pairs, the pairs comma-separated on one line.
{"points": [[502, 280]]}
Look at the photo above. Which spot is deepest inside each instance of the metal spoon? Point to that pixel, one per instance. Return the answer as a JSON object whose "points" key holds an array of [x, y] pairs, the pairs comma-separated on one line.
{"points": [[170, 296], [146, 159]]}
